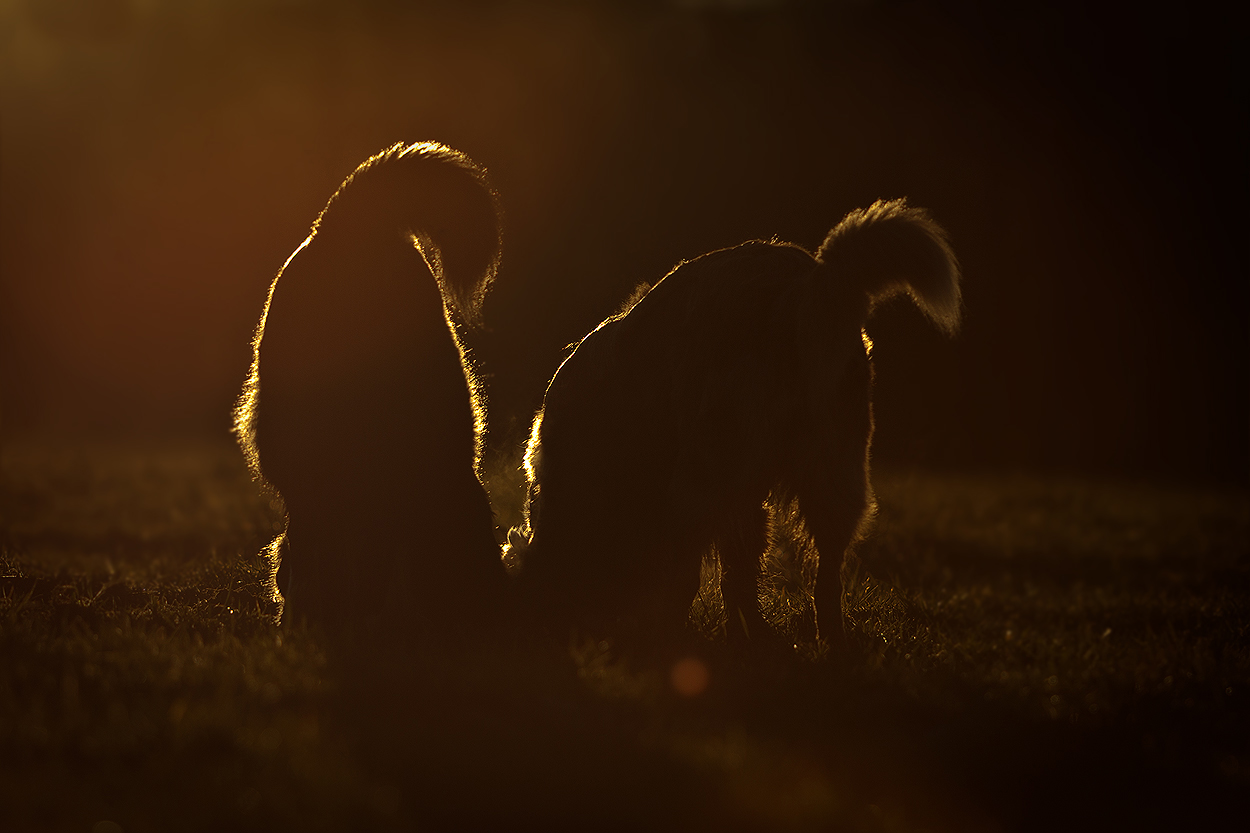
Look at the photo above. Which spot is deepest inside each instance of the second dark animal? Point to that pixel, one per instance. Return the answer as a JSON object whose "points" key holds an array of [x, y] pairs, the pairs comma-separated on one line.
{"points": [[743, 373]]}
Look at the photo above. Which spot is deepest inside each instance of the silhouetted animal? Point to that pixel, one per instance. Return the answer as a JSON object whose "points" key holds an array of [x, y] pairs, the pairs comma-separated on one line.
{"points": [[362, 408], [743, 372]]}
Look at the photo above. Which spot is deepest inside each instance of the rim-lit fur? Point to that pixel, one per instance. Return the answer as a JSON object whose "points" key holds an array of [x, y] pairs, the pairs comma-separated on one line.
{"points": [[362, 408], [742, 373]]}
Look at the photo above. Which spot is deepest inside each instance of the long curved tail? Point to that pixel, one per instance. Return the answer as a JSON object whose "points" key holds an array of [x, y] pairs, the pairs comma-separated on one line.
{"points": [[443, 200], [891, 248]]}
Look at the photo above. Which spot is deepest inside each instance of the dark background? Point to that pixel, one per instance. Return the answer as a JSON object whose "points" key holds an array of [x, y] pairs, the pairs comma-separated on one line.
{"points": [[161, 159]]}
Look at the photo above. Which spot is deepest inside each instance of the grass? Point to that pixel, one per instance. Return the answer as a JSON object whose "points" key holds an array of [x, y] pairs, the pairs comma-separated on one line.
{"points": [[1025, 653]]}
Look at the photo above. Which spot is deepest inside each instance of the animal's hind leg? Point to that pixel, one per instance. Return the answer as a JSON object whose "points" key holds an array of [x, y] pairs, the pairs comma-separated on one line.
{"points": [[741, 551], [833, 513]]}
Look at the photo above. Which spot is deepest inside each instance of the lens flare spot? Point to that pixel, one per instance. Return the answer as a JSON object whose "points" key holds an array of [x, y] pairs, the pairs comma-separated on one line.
{"points": [[690, 677]]}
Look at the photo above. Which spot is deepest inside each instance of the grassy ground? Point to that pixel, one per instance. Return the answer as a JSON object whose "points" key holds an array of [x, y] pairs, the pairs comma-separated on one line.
{"points": [[1025, 654]]}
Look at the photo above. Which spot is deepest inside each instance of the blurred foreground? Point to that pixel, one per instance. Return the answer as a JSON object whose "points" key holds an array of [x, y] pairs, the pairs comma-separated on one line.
{"points": [[1026, 654]]}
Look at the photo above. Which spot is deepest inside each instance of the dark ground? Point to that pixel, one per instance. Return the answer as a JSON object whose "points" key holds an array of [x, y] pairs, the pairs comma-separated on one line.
{"points": [[1026, 654]]}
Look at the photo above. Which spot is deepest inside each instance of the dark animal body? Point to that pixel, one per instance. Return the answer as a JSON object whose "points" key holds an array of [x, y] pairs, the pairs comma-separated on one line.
{"points": [[362, 408], [743, 373]]}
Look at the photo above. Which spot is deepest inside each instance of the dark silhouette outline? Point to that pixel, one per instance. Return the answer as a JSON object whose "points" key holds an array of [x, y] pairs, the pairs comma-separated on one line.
{"points": [[743, 373], [362, 408]]}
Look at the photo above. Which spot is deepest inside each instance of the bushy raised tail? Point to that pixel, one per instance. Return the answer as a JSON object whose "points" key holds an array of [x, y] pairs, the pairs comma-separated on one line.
{"points": [[890, 249], [441, 198]]}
